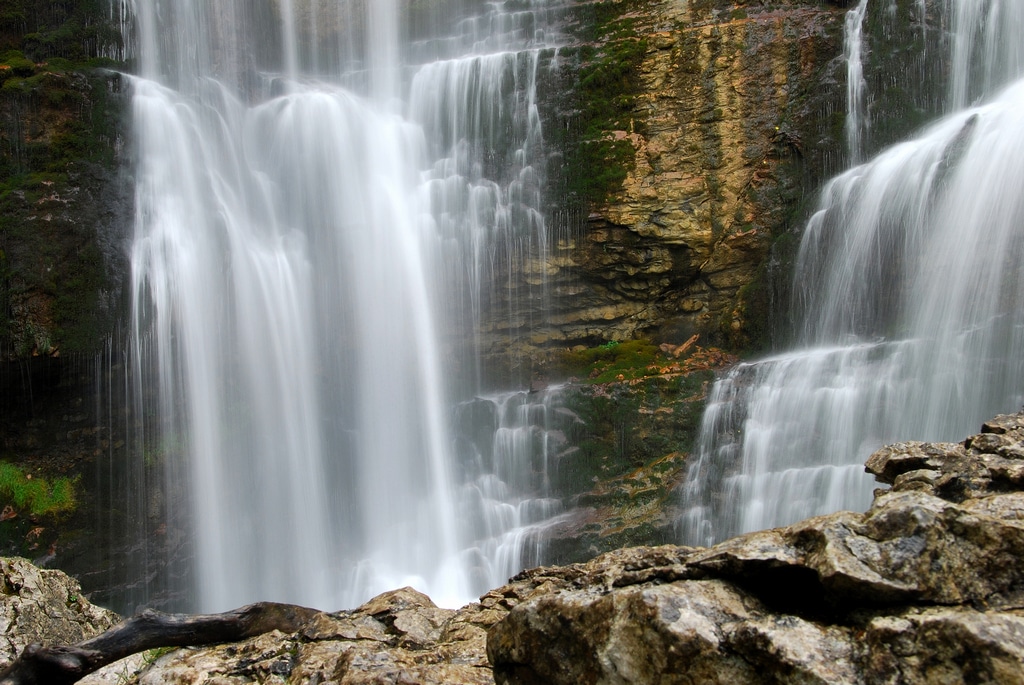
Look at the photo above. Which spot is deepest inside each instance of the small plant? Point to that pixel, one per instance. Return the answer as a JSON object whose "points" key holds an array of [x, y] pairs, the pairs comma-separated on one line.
{"points": [[36, 495], [150, 656], [634, 360], [14, 63]]}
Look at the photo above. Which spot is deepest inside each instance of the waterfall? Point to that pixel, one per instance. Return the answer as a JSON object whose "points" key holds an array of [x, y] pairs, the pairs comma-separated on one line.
{"points": [[321, 201], [508, 455], [911, 301], [856, 86]]}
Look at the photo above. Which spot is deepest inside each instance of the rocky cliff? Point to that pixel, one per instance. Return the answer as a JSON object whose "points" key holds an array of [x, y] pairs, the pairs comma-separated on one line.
{"points": [[685, 139], [690, 137], [925, 587], [63, 205], [65, 208]]}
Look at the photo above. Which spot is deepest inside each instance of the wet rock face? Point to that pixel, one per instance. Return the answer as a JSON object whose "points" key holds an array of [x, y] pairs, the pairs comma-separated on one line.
{"points": [[728, 113], [925, 587], [65, 209]]}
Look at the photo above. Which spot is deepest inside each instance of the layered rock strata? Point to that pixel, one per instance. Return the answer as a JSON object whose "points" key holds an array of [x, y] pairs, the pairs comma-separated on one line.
{"points": [[927, 586], [711, 123]]}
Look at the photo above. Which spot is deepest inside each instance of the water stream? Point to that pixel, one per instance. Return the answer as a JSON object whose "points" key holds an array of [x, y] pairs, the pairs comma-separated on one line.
{"points": [[321, 197], [911, 300]]}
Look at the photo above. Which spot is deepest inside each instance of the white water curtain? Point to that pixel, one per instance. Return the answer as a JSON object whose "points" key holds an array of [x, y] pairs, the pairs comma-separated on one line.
{"points": [[910, 299]]}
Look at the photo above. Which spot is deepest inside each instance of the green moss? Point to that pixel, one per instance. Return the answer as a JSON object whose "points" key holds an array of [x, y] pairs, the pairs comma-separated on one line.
{"points": [[14, 63], [628, 425], [603, 102], [46, 28], [609, 362], [35, 495]]}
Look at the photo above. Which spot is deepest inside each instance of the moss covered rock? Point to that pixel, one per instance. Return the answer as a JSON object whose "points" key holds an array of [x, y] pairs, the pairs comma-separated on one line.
{"points": [[63, 203]]}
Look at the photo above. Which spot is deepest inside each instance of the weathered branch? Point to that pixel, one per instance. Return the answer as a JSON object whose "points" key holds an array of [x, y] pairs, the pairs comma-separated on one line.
{"points": [[40, 665]]}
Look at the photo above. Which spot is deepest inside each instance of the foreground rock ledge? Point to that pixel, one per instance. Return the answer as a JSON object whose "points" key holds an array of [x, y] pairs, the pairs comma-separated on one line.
{"points": [[925, 587]]}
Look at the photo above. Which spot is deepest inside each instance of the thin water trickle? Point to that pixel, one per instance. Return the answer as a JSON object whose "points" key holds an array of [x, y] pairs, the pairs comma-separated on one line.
{"points": [[856, 86], [508, 459], [911, 297]]}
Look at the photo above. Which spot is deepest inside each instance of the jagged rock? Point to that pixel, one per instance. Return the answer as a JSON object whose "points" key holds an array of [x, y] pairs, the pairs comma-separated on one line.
{"points": [[925, 587], [727, 121], [45, 606]]}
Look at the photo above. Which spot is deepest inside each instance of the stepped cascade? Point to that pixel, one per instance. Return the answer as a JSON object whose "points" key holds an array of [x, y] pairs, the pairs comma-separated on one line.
{"points": [[908, 293], [324, 191]]}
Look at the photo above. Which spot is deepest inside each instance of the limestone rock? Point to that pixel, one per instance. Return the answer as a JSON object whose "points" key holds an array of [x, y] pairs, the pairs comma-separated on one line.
{"points": [[44, 606], [727, 123], [397, 637], [925, 587]]}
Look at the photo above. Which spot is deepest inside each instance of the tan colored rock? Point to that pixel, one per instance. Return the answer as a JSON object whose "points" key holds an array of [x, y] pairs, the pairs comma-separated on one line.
{"points": [[397, 637], [728, 125], [44, 606], [943, 645]]}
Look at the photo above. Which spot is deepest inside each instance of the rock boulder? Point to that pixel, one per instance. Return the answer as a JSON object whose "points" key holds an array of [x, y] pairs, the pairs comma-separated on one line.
{"points": [[925, 587]]}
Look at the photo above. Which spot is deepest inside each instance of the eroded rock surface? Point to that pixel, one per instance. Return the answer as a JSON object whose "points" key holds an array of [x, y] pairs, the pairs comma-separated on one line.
{"points": [[725, 115], [397, 637], [925, 587]]}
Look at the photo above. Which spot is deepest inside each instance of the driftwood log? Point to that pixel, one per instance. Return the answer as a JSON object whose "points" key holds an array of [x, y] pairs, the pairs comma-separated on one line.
{"points": [[40, 665]]}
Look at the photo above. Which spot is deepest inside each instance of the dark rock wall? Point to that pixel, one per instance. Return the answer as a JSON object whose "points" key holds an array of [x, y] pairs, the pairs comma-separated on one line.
{"points": [[64, 205], [65, 209]]}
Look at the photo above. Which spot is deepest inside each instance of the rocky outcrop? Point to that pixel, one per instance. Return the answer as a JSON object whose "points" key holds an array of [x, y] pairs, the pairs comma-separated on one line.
{"points": [[38, 605], [65, 210], [397, 637], [925, 587]]}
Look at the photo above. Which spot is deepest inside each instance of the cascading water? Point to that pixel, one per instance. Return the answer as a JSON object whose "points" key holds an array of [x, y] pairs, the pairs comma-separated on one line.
{"points": [[910, 290], [510, 445], [855, 83], [304, 232]]}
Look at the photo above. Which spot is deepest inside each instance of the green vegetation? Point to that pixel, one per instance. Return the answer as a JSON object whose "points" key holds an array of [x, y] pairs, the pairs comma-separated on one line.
{"points": [[635, 360], [625, 426], [597, 152], [75, 30], [636, 403], [13, 63], [612, 361], [636, 411], [60, 119], [33, 494]]}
